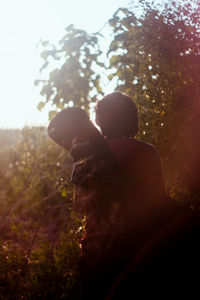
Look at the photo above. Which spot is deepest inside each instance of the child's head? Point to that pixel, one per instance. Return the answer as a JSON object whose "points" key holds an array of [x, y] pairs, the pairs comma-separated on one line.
{"points": [[71, 124], [117, 115]]}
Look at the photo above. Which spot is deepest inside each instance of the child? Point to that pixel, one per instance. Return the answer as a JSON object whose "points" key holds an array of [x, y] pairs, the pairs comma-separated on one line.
{"points": [[73, 130], [94, 176]]}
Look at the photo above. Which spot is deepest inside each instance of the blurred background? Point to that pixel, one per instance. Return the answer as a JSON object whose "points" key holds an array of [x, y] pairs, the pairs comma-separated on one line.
{"points": [[57, 54]]}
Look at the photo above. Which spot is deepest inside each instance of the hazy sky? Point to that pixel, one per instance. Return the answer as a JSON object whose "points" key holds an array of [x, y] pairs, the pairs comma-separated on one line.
{"points": [[22, 24]]}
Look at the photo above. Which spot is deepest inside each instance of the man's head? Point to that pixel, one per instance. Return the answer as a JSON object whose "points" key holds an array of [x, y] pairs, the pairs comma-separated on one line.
{"points": [[117, 115]]}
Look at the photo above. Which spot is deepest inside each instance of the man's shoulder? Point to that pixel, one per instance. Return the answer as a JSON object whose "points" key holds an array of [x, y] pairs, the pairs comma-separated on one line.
{"points": [[147, 147], [147, 152]]}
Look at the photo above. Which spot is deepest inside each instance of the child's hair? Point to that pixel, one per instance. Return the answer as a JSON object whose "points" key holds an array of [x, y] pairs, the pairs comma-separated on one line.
{"points": [[117, 115], [71, 124]]}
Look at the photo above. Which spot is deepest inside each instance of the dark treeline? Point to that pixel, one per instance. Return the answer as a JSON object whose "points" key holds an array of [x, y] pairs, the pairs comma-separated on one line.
{"points": [[154, 57]]}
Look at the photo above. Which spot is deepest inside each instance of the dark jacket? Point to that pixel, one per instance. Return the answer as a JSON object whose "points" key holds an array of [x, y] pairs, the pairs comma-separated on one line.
{"points": [[139, 236]]}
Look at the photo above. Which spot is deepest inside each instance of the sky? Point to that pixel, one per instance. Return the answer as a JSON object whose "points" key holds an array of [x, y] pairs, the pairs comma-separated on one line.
{"points": [[23, 23]]}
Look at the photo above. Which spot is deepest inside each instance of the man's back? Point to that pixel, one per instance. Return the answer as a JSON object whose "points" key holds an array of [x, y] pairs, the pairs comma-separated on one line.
{"points": [[141, 173], [161, 236]]}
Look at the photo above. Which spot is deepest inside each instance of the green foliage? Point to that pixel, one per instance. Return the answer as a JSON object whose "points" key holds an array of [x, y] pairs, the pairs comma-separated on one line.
{"points": [[155, 58], [40, 232], [157, 62], [74, 81], [154, 55]]}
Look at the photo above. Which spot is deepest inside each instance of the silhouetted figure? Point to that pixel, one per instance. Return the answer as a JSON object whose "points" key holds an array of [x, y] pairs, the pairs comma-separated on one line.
{"points": [[158, 243], [95, 175], [136, 236]]}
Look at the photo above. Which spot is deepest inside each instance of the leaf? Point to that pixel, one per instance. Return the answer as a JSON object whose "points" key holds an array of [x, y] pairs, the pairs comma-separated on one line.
{"points": [[111, 76], [40, 105], [36, 82], [63, 192], [101, 64], [52, 114], [44, 66], [114, 60], [113, 46], [44, 43]]}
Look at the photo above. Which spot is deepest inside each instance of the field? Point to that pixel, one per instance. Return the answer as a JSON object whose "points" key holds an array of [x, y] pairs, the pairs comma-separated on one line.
{"points": [[40, 232]]}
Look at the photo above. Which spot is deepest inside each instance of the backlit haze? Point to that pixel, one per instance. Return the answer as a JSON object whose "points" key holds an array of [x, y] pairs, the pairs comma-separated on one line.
{"points": [[23, 23]]}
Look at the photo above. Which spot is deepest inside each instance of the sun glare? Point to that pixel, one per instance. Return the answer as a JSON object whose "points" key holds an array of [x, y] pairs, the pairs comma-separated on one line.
{"points": [[21, 29]]}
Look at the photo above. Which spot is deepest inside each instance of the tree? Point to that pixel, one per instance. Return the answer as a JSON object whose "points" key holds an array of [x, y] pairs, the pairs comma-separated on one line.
{"points": [[155, 57], [75, 80]]}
